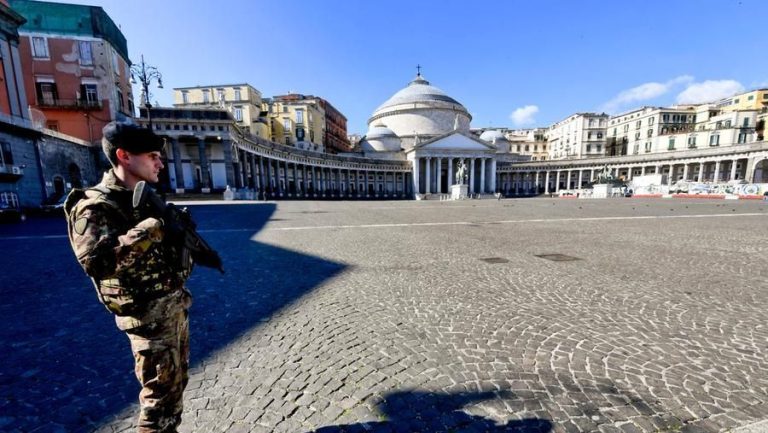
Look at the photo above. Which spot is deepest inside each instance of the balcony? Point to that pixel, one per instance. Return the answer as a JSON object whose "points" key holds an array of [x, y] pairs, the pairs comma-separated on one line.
{"points": [[69, 104]]}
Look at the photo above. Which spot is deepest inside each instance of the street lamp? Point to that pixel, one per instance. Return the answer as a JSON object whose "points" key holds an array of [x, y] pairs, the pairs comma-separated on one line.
{"points": [[144, 74]]}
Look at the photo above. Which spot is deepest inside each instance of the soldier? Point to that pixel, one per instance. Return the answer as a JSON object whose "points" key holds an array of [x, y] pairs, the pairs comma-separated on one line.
{"points": [[139, 270]]}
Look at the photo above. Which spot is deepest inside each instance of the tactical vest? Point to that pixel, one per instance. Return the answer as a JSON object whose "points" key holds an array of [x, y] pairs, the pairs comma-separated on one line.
{"points": [[127, 295]]}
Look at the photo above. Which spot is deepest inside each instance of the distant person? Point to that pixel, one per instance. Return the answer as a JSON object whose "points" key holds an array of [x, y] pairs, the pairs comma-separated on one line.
{"points": [[139, 266]]}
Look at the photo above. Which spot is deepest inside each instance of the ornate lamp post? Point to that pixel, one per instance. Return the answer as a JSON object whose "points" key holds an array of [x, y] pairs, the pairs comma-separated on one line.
{"points": [[144, 74]]}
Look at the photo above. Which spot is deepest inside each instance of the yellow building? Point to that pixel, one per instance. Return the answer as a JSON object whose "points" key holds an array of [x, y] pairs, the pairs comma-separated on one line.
{"points": [[243, 101], [752, 100], [296, 120]]}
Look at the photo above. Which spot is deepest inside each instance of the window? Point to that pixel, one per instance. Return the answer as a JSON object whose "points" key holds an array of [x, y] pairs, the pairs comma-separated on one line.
{"points": [[647, 146], [285, 108], [638, 124], [300, 116], [671, 143], [589, 135], [736, 101], [89, 94], [650, 121], [599, 135], [692, 142], [6, 156], [115, 65], [287, 125], [727, 123], [220, 95], [589, 148], [237, 94], [39, 47], [746, 122], [714, 140], [636, 149], [185, 97], [637, 135], [206, 97], [86, 56], [46, 93], [238, 114], [599, 147], [120, 102], [750, 97], [650, 133], [665, 118], [626, 128]]}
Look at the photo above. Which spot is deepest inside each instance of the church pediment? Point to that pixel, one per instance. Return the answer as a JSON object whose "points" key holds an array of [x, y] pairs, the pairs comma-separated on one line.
{"points": [[455, 141]]}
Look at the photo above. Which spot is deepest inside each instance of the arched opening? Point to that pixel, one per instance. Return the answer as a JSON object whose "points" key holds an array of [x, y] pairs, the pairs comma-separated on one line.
{"points": [[761, 172], [58, 186], [75, 177]]}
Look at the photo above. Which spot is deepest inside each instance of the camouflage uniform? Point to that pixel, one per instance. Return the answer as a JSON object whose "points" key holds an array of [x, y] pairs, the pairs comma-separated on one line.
{"points": [[140, 278]]}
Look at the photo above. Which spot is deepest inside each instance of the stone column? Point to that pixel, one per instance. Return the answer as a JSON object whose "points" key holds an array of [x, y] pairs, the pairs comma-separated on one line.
{"points": [[581, 177], [204, 184], [178, 166], [493, 175], [591, 175], [229, 167], [269, 187], [536, 183], [450, 174], [700, 177], [568, 180], [642, 171], [365, 174], [439, 173], [716, 177], [546, 182], [428, 176], [482, 175], [733, 169], [671, 178], [262, 184], [685, 171], [557, 181], [416, 162], [472, 176]]}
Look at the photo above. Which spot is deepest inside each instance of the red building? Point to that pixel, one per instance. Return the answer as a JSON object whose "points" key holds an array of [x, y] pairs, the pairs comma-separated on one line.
{"points": [[76, 67]]}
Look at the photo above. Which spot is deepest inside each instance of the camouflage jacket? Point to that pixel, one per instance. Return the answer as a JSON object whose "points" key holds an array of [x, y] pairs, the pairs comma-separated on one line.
{"points": [[137, 275]]}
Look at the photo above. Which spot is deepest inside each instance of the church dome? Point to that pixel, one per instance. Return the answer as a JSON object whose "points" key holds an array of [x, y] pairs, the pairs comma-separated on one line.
{"points": [[419, 90], [492, 135], [379, 138], [421, 109], [498, 139]]}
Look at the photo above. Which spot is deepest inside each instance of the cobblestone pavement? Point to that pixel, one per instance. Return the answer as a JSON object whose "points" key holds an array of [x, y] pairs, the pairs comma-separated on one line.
{"points": [[641, 316]]}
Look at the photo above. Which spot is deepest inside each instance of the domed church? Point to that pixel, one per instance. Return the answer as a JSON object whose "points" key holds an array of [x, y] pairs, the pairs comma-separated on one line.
{"points": [[423, 125]]}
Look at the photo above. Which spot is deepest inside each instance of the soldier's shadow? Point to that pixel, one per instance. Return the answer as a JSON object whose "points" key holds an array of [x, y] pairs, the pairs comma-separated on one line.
{"points": [[424, 412], [67, 368]]}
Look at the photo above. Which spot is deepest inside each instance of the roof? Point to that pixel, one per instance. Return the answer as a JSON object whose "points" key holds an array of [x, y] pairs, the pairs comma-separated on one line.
{"points": [[69, 19], [418, 90]]}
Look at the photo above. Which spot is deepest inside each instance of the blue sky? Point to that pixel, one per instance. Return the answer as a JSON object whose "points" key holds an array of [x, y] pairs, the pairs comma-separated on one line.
{"points": [[510, 63]]}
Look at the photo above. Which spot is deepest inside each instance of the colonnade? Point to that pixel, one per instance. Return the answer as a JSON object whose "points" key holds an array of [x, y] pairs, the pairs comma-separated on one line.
{"points": [[435, 174], [284, 178], [525, 181]]}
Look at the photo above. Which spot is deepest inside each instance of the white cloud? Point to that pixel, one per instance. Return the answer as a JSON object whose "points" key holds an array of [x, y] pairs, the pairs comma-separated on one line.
{"points": [[709, 91], [643, 92], [524, 115]]}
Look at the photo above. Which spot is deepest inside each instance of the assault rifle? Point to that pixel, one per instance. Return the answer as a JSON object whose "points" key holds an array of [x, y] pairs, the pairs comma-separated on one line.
{"points": [[178, 220]]}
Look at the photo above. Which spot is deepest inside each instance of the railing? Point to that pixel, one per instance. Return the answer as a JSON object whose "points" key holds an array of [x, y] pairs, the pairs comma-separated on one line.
{"points": [[69, 103]]}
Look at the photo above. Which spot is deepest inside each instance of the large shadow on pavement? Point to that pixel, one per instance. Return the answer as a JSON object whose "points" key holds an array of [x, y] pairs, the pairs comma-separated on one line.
{"points": [[417, 411], [65, 365]]}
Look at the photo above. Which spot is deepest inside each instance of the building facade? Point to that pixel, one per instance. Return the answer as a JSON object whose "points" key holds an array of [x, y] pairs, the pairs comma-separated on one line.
{"points": [[581, 135], [243, 101], [298, 120], [77, 70]]}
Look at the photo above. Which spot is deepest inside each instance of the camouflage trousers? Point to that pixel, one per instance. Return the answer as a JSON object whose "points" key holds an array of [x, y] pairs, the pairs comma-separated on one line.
{"points": [[161, 353]]}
